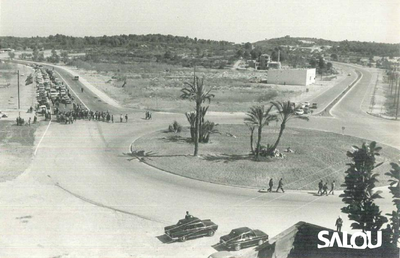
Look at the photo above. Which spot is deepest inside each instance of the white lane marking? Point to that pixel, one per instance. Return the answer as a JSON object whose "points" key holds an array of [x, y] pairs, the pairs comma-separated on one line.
{"points": [[72, 90], [41, 139]]}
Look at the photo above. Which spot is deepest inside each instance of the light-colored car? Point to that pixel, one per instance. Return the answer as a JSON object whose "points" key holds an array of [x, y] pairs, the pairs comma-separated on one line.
{"points": [[299, 112], [222, 254]]}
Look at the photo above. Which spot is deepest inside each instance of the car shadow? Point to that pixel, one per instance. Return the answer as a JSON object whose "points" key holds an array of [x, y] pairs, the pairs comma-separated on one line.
{"points": [[164, 239]]}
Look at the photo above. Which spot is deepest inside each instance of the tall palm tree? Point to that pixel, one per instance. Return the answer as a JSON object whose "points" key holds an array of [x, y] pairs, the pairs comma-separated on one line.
{"points": [[286, 111], [258, 117], [251, 127], [197, 92]]}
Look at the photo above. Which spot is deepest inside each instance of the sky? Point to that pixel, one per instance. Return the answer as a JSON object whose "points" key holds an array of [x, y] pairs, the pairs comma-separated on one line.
{"points": [[232, 20]]}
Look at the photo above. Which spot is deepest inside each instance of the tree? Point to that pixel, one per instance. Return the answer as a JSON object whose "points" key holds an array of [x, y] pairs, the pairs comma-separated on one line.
{"points": [[334, 57], [198, 93], [395, 190], [64, 56], [329, 66], [251, 127], [286, 111], [258, 117], [359, 194], [11, 54]]}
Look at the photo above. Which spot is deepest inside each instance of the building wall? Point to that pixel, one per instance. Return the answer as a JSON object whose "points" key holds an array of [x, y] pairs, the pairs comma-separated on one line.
{"points": [[292, 76]]}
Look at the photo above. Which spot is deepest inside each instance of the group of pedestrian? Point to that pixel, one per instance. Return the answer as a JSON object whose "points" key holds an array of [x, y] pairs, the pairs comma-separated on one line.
{"points": [[323, 188], [121, 118], [280, 185]]}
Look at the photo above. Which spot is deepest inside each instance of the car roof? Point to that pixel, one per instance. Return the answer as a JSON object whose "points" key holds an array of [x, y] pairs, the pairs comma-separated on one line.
{"points": [[241, 230], [188, 220]]}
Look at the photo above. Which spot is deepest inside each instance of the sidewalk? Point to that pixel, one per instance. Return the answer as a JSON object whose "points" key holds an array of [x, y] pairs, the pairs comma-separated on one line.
{"points": [[378, 98]]}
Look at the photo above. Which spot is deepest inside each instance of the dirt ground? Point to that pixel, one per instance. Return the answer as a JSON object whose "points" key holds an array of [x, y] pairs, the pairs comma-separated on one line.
{"points": [[9, 88], [16, 142], [235, 91]]}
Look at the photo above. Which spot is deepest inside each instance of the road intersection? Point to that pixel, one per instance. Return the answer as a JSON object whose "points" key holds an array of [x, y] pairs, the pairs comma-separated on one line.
{"points": [[83, 196]]}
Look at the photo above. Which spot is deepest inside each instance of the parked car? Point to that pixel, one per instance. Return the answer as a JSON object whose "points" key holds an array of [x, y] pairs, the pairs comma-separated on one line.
{"points": [[314, 105], [191, 227], [299, 112], [243, 237], [306, 104], [222, 254]]}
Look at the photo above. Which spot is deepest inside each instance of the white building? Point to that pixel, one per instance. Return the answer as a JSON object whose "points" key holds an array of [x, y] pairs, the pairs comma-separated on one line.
{"points": [[292, 76]]}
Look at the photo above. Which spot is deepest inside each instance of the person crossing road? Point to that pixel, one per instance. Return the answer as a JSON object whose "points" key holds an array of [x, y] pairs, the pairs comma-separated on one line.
{"points": [[280, 185], [271, 184]]}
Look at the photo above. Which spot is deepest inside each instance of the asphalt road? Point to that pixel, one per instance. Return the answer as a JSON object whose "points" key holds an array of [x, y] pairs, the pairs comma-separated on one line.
{"points": [[83, 196]]}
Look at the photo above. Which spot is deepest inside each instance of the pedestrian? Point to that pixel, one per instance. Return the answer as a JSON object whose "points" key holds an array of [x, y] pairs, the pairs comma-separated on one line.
{"points": [[271, 184], [320, 185], [29, 121], [188, 216], [35, 119], [112, 118], [280, 186], [120, 118], [339, 223], [126, 118], [325, 189], [332, 188]]}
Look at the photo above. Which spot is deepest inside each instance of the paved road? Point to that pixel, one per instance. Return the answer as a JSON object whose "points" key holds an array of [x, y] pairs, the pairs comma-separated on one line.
{"points": [[83, 197]]}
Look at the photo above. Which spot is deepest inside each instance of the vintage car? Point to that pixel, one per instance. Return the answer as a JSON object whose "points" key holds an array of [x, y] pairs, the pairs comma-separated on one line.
{"points": [[243, 237], [190, 227]]}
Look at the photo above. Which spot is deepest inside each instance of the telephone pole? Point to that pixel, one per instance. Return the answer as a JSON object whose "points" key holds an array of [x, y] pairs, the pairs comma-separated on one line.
{"points": [[19, 106]]}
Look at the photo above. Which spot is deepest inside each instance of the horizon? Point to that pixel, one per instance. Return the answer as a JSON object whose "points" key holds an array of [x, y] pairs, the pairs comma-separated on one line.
{"points": [[240, 21], [243, 42]]}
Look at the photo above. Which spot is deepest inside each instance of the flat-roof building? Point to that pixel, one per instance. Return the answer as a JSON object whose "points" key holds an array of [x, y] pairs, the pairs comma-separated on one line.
{"points": [[292, 76]]}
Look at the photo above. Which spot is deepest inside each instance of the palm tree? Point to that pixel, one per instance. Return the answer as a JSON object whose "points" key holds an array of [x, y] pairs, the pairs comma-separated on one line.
{"points": [[286, 111], [251, 127], [258, 117], [197, 92]]}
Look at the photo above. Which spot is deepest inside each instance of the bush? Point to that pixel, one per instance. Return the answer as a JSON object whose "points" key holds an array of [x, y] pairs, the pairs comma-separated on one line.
{"points": [[175, 127]]}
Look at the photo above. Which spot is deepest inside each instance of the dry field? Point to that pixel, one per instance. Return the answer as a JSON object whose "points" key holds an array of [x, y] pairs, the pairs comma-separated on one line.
{"points": [[157, 86]]}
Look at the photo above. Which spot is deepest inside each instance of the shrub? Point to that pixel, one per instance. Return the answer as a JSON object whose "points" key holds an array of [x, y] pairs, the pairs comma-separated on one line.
{"points": [[175, 127]]}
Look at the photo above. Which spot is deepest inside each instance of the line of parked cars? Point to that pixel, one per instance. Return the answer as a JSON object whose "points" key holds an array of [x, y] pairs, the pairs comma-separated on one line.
{"points": [[49, 88], [192, 227], [305, 108]]}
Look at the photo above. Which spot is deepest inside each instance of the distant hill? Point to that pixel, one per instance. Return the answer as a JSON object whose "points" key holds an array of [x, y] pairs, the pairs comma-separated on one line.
{"points": [[358, 48]]}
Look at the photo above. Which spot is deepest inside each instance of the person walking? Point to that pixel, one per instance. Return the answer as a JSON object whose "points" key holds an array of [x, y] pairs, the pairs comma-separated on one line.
{"points": [[112, 118], [271, 184], [29, 121], [332, 188], [320, 186], [280, 185], [126, 118], [339, 223], [120, 118], [325, 189]]}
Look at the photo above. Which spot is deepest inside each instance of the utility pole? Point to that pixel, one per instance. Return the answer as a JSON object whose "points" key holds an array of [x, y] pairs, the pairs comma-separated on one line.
{"points": [[19, 112]]}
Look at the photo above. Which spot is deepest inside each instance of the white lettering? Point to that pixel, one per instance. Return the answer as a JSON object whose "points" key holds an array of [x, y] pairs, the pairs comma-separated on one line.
{"points": [[336, 238], [323, 239], [343, 243], [354, 237], [378, 241]]}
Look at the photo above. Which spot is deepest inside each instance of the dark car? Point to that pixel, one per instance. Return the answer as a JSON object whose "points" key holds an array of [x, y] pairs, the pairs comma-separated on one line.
{"points": [[243, 237], [191, 227]]}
